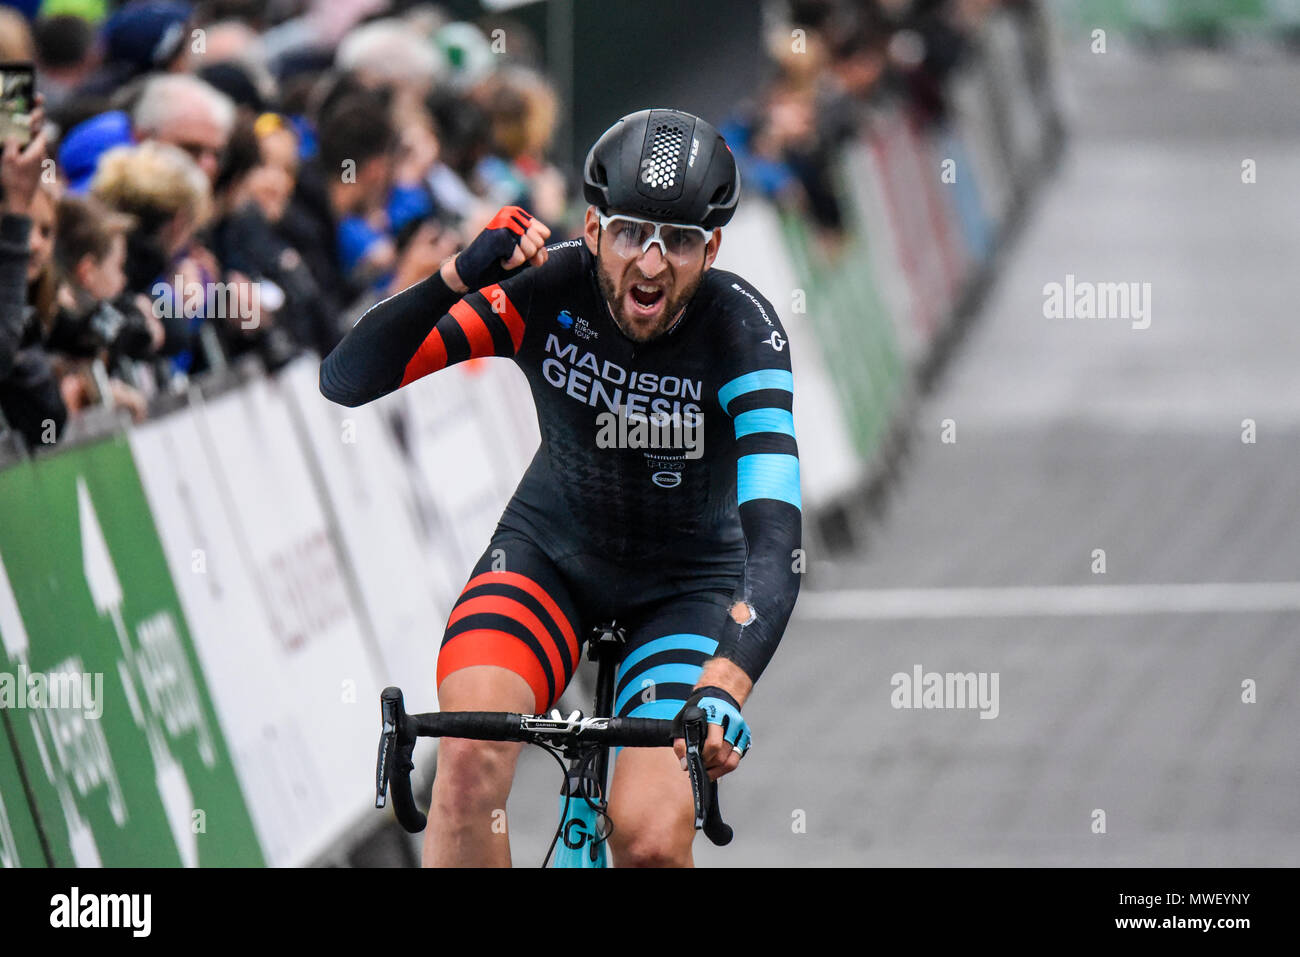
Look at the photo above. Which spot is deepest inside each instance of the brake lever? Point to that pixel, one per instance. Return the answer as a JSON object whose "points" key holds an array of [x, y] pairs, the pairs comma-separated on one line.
{"points": [[388, 706], [695, 726]]}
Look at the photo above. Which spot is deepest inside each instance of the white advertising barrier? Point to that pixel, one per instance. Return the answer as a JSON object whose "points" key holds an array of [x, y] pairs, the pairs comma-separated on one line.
{"points": [[905, 202], [941, 209], [1005, 57], [975, 119], [366, 487], [232, 636], [500, 393], [752, 246], [270, 612], [865, 190], [469, 461]]}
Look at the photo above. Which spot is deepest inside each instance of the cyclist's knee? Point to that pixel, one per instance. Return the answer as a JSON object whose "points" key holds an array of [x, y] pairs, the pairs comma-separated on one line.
{"points": [[474, 776], [652, 845]]}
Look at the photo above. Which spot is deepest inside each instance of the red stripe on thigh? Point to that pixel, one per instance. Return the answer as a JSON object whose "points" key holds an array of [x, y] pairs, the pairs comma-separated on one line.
{"points": [[536, 590], [485, 646], [516, 611]]}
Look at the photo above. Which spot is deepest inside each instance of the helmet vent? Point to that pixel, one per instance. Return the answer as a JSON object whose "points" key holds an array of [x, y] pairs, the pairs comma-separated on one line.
{"points": [[663, 160]]}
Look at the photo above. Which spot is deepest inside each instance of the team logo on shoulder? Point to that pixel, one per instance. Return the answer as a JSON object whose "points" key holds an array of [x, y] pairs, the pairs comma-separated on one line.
{"points": [[575, 324], [776, 341]]}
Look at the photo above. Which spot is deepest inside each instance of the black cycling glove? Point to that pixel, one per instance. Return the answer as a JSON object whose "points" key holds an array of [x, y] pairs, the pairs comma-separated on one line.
{"points": [[480, 263]]}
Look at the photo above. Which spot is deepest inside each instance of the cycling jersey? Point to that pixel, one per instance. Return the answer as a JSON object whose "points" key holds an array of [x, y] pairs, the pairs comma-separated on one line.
{"points": [[677, 454]]}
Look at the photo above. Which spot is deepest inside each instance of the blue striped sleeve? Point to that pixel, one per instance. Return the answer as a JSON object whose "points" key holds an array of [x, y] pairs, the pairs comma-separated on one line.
{"points": [[753, 381], [765, 420], [768, 475]]}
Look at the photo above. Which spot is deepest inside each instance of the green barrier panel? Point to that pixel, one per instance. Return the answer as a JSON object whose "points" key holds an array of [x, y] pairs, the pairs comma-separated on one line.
{"points": [[20, 843], [1183, 17], [865, 304], [129, 767], [858, 342]]}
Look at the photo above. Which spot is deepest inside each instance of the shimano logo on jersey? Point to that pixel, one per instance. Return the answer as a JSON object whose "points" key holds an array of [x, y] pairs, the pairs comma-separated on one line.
{"points": [[576, 324], [603, 383], [658, 430]]}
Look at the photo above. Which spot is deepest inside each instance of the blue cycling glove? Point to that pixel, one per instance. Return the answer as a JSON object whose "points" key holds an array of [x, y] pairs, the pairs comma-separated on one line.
{"points": [[719, 708]]}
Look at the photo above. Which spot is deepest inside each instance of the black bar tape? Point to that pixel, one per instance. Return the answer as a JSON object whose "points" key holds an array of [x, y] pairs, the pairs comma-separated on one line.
{"points": [[477, 725], [638, 733]]}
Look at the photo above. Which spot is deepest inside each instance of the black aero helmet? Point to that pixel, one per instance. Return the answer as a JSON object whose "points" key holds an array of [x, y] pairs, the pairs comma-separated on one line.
{"points": [[664, 165]]}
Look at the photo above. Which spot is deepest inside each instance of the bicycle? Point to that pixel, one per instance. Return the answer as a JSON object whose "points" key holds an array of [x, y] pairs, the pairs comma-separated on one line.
{"points": [[584, 741]]}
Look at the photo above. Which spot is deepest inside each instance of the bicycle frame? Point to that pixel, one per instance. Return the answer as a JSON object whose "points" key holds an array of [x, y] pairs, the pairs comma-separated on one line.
{"points": [[580, 843]]}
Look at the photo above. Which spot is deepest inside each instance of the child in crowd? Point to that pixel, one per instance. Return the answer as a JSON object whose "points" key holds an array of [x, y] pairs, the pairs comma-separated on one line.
{"points": [[94, 319]]}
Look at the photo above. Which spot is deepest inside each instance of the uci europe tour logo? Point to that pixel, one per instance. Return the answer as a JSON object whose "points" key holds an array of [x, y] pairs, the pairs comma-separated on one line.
{"points": [[575, 324]]}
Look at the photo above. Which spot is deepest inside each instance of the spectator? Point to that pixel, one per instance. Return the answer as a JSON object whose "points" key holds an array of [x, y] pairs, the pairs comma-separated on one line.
{"points": [[185, 112], [464, 132], [140, 38], [256, 263], [390, 53], [170, 199], [29, 395], [86, 142], [16, 44], [65, 56], [229, 40], [93, 322], [522, 108], [42, 284], [96, 312], [357, 153]]}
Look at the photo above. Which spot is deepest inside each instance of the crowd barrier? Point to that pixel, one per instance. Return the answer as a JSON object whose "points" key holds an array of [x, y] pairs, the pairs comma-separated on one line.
{"points": [[1185, 19], [240, 577]]}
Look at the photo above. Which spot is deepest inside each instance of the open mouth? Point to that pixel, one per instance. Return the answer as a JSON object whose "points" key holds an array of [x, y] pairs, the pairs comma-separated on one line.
{"points": [[646, 298]]}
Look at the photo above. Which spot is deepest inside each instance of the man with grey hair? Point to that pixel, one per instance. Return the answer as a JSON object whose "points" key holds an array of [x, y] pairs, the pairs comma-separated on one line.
{"points": [[390, 51], [184, 111]]}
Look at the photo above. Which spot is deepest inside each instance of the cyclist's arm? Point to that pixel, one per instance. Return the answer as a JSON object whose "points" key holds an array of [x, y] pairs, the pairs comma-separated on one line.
{"points": [[420, 330], [759, 399]]}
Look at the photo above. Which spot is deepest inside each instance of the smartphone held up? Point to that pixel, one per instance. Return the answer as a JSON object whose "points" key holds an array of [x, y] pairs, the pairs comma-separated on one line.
{"points": [[17, 100]]}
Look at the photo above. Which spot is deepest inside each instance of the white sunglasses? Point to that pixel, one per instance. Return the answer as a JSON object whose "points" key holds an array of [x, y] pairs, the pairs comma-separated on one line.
{"points": [[631, 236]]}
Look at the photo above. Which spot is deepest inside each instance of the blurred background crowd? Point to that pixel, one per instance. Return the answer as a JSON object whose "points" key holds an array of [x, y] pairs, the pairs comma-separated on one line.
{"points": [[239, 178]]}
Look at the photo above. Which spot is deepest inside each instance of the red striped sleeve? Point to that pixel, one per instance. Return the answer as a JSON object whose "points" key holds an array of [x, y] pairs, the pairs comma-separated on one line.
{"points": [[430, 357], [475, 329], [501, 305]]}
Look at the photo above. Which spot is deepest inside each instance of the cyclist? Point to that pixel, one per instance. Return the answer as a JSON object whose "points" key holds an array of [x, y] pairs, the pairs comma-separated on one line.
{"points": [[689, 543]]}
